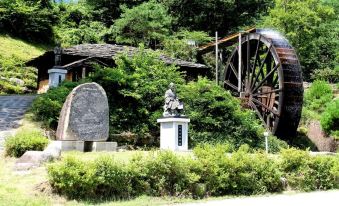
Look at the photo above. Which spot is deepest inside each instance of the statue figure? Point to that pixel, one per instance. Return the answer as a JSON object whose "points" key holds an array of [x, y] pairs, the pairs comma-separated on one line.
{"points": [[172, 107], [57, 53]]}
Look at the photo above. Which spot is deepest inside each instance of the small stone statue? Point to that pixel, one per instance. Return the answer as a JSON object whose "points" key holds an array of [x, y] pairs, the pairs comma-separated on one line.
{"points": [[57, 53], [172, 107]]}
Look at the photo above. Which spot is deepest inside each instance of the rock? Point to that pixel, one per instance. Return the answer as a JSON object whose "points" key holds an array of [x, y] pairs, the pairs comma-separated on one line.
{"points": [[30, 159], [17, 81], [33, 159], [319, 138], [85, 114]]}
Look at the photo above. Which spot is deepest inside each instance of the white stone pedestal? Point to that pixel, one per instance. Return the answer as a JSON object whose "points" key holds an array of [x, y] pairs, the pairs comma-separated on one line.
{"points": [[174, 133], [56, 75]]}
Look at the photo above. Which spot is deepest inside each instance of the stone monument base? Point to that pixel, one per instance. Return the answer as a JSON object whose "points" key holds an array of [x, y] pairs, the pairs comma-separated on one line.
{"points": [[83, 146], [174, 133]]}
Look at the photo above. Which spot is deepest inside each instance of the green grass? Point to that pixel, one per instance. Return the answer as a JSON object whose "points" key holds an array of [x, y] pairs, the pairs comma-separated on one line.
{"points": [[20, 49]]}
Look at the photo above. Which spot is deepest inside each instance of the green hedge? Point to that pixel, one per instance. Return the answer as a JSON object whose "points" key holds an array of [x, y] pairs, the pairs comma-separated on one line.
{"points": [[212, 172], [23, 141], [330, 118], [47, 107]]}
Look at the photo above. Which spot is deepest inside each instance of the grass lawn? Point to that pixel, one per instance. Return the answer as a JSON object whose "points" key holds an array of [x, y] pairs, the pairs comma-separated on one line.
{"points": [[20, 49]]}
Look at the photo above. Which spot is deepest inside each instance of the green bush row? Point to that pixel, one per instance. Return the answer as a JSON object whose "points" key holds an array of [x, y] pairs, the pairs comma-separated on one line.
{"points": [[330, 118], [23, 141], [213, 171]]}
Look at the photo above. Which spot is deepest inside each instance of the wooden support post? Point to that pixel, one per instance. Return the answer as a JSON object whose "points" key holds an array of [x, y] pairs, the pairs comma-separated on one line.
{"points": [[83, 73], [239, 64], [216, 58]]}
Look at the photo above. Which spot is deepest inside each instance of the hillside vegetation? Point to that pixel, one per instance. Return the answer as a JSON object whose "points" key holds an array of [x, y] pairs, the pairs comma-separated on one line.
{"points": [[14, 76]]}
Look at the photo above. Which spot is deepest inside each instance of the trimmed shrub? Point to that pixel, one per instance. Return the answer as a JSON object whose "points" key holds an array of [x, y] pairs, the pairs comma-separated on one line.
{"points": [[238, 173], [47, 107], [23, 141], [72, 177], [168, 174], [330, 118], [307, 173], [212, 171], [112, 178]]}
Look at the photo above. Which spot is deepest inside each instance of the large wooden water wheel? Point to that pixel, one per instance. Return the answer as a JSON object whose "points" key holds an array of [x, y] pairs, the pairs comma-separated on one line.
{"points": [[271, 80]]}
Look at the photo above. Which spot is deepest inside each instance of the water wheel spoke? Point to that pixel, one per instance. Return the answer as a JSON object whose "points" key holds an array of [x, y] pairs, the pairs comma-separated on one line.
{"points": [[267, 92], [256, 56], [231, 85], [266, 107], [266, 77], [258, 113], [261, 66], [234, 70]]}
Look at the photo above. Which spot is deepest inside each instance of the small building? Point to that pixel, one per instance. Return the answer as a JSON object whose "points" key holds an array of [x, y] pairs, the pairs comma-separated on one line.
{"points": [[75, 63]]}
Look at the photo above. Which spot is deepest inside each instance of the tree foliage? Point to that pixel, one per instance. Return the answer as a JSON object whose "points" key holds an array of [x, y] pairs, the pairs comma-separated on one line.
{"points": [[30, 20], [311, 27], [106, 11], [147, 23], [183, 44], [215, 15]]}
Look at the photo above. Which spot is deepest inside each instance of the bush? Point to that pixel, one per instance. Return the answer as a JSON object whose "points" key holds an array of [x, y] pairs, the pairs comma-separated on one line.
{"points": [[318, 95], [168, 174], [112, 178], [8, 88], [330, 118], [47, 107], [23, 141], [72, 177], [326, 74], [212, 171], [216, 116], [238, 173], [307, 173]]}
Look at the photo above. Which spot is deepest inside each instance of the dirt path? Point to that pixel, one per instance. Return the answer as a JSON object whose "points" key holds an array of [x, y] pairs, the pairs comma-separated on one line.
{"points": [[325, 198], [12, 110]]}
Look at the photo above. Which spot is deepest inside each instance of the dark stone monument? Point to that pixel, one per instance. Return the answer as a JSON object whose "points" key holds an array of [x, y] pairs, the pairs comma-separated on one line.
{"points": [[84, 115]]}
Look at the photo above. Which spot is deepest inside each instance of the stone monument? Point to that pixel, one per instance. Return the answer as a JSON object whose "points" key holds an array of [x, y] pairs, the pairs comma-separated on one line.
{"points": [[173, 124], [85, 118]]}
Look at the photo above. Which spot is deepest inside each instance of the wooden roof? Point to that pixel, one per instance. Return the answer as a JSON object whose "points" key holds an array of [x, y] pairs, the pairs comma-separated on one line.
{"points": [[108, 51], [224, 42]]}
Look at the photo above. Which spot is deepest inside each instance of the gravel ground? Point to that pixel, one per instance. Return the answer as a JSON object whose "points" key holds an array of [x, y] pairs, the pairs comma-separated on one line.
{"points": [[12, 110]]}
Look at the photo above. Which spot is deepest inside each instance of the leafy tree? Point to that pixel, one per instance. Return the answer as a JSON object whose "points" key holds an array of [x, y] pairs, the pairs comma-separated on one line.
{"points": [[30, 20], [311, 26], [147, 23], [183, 44], [107, 11], [76, 25], [215, 15]]}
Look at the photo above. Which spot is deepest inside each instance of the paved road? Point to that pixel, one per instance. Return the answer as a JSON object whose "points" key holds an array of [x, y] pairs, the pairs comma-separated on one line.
{"points": [[322, 198], [12, 110]]}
